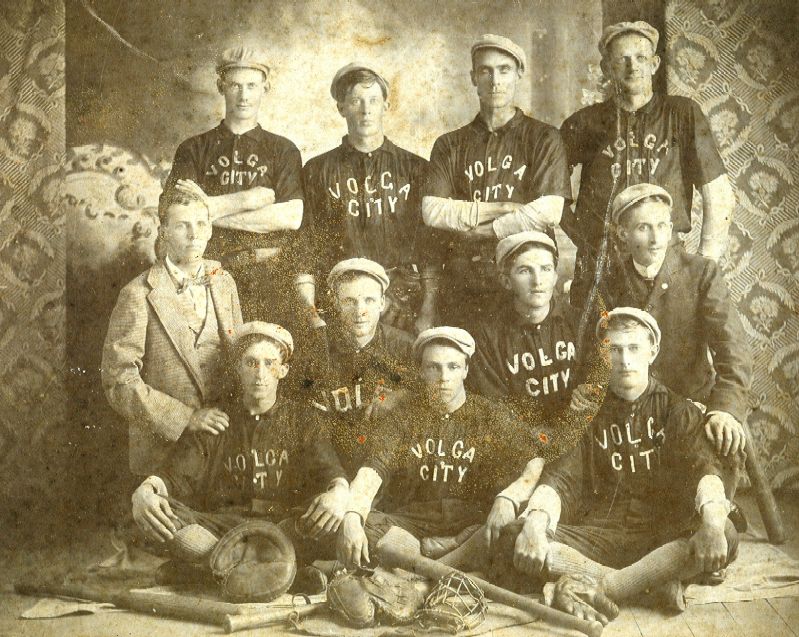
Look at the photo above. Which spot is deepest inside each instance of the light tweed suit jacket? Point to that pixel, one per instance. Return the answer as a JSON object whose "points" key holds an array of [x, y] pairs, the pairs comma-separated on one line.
{"points": [[150, 371]]}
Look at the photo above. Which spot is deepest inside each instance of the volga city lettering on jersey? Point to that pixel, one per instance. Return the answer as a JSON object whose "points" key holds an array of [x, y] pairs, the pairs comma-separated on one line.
{"points": [[547, 383], [627, 450], [370, 196], [504, 170], [267, 466], [237, 169], [445, 462]]}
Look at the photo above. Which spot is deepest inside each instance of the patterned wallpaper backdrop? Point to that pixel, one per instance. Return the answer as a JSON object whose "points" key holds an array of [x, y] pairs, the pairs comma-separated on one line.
{"points": [[33, 451], [737, 58]]}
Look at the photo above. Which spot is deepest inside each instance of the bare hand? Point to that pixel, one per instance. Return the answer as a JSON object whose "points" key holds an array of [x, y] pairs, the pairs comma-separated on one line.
{"points": [[502, 513], [709, 548], [532, 545], [352, 547], [725, 432], [585, 398], [153, 515], [326, 511], [213, 421]]}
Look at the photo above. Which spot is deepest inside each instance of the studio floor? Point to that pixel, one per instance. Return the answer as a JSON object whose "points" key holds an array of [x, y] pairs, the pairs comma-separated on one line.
{"points": [[760, 618]]}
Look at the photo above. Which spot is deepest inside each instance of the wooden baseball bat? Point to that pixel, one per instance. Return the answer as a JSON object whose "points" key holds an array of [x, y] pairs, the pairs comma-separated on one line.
{"points": [[398, 548], [765, 498], [193, 609], [270, 617]]}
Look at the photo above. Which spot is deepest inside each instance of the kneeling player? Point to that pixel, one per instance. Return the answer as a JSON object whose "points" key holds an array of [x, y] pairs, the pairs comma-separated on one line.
{"points": [[273, 461], [620, 490], [442, 453]]}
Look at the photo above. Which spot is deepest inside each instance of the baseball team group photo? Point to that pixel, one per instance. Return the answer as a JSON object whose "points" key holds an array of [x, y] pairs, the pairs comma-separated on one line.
{"points": [[473, 361]]}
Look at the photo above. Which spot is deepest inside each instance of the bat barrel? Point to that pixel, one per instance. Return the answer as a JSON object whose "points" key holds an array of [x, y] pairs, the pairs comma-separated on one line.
{"points": [[234, 623]]}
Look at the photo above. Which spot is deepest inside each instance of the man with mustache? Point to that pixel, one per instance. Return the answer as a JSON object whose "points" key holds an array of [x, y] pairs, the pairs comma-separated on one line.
{"points": [[501, 174], [363, 199], [637, 136], [168, 336], [355, 361], [251, 180], [441, 455], [688, 296]]}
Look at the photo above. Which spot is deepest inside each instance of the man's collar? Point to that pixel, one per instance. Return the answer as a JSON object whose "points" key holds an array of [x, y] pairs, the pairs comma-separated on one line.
{"points": [[649, 272], [653, 387], [557, 308], [479, 123], [386, 147], [647, 108], [254, 132], [342, 343], [179, 275]]}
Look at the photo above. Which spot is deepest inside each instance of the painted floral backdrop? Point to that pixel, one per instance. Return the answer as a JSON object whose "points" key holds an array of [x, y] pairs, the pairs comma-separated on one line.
{"points": [[33, 402], [737, 58]]}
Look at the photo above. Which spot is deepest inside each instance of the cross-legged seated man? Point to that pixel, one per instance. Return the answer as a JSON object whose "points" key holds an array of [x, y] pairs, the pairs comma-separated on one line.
{"points": [[273, 462], [644, 492], [441, 453]]}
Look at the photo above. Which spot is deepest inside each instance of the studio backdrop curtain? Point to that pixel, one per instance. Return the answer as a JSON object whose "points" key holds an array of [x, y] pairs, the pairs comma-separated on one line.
{"points": [[737, 58]]}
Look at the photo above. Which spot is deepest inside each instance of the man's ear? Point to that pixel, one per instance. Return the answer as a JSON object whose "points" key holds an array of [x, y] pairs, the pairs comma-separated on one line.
{"points": [[621, 233], [220, 86], [283, 370], [604, 65], [655, 63], [655, 351], [504, 280], [473, 75], [382, 302], [340, 108]]}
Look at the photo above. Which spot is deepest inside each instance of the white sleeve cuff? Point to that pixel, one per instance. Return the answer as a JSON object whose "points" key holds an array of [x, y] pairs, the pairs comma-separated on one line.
{"points": [[157, 484], [449, 214], [522, 488], [710, 489], [363, 490], [545, 499], [541, 214]]}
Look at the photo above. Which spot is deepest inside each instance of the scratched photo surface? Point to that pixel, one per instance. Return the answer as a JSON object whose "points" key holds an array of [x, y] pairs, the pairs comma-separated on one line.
{"points": [[96, 96]]}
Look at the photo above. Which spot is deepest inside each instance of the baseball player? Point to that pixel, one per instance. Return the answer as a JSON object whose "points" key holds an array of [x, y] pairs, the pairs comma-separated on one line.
{"points": [[354, 360], [252, 182], [273, 461], [644, 492], [500, 174], [363, 199], [638, 136], [441, 453], [168, 337], [688, 297]]}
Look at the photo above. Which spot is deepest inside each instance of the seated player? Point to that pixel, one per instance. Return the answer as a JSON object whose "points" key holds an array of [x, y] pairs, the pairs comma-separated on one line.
{"points": [[167, 338], [270, 463], [687, 295], [355, 358], [441, 453], [644, 492]]}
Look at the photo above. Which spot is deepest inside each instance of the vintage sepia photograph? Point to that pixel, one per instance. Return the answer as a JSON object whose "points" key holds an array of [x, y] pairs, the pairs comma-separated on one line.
{"points": [[377, 318]]}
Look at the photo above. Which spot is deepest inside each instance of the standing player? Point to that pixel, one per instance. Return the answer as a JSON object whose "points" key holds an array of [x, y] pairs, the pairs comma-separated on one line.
{"points": [[501, 174], [251, 179], [352, 361], [637, 136], [442, 454], [363, 199]]}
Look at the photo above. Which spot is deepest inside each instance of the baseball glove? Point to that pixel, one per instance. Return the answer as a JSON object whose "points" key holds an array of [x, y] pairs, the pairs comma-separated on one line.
{"points": [[254, 562], [367, 598], [580, 595]]}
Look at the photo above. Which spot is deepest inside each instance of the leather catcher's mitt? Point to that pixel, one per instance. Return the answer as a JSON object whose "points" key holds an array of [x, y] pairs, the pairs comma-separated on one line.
{"points": [[367, 598], [580, 595], [254, 562]]}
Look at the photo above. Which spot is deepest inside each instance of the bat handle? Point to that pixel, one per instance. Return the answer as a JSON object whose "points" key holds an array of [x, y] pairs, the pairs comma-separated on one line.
{"points": [[766, 503], [234, 623]]}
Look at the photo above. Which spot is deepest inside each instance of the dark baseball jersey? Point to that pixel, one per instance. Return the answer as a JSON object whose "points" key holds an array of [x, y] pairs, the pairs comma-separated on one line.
{"points": [[341, 380], [534, 365], [520, 161], [364, 205], [222, 162], [667, 142], [470, 454], [279, 459], [640, 463]]}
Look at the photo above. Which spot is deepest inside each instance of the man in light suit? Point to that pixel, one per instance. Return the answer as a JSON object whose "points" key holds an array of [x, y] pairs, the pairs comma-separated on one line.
{"points": [[163, 354]]}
